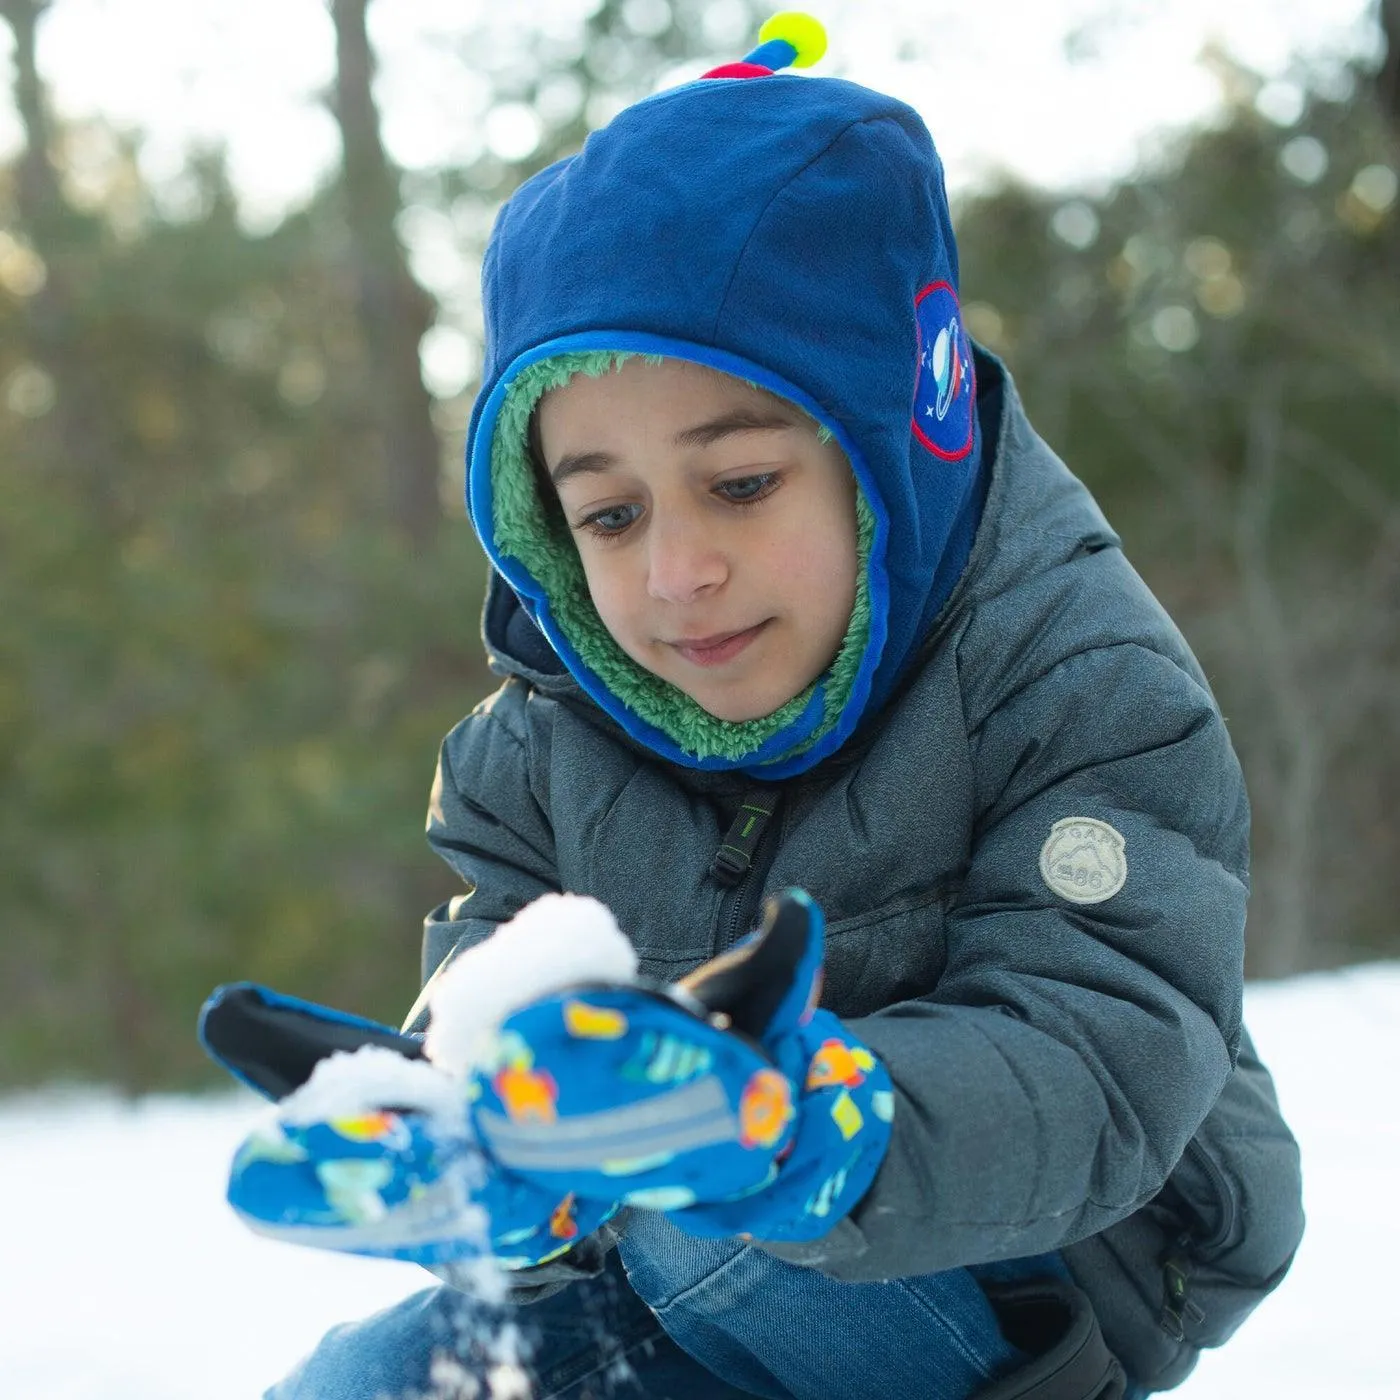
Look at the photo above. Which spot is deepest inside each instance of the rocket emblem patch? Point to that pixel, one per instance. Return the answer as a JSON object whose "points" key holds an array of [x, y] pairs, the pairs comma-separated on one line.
{"points": [[945, 391]]}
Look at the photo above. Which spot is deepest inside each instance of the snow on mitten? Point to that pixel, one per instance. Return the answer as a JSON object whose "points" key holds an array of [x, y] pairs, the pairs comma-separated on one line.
{"points": [[728, 1100]]}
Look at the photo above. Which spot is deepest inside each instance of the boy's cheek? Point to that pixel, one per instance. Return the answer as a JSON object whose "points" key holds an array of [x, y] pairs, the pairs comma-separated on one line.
{"points": [[615, 602], [602, 589]]}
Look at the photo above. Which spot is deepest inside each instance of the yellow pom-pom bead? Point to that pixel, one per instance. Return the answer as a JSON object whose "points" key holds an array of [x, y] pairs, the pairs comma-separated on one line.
{"points": [[806, 34]]}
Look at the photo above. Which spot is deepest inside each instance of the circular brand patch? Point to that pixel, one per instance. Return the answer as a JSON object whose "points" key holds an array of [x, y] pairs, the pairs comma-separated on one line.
{"points": [[945, 390], [1083, 860]]}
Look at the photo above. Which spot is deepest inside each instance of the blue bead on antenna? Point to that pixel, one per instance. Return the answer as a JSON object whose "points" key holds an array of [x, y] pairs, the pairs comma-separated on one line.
{"points": [[790, 39]]}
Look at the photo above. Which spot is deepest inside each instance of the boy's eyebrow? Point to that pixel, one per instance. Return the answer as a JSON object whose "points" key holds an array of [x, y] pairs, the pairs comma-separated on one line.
{"points": [[739, 420], [572, 463]]}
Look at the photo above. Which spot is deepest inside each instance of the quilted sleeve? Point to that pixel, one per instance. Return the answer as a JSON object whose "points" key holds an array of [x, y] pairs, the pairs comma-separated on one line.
{"points": [[1090, 1009]]}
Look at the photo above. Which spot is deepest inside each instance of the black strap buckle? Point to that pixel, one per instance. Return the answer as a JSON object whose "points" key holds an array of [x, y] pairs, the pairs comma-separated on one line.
{"points": [[735, 855]]}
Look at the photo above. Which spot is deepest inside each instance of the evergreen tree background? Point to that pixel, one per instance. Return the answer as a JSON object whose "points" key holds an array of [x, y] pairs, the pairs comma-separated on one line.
{"points": [[238, 598]]}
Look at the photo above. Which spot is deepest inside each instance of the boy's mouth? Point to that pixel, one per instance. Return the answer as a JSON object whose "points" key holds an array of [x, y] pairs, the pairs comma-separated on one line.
{"points": [[718, 648]]}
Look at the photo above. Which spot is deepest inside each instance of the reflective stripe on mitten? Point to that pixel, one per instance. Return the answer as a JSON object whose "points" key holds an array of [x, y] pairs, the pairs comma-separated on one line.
{"points": [[399, 1185]]}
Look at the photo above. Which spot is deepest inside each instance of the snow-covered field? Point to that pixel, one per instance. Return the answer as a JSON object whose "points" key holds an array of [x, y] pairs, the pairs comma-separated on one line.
{"points": [[124, 1277]]}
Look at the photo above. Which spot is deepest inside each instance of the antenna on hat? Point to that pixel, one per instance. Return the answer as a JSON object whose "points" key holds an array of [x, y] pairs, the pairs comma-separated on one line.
{"points": [[790, 39]]}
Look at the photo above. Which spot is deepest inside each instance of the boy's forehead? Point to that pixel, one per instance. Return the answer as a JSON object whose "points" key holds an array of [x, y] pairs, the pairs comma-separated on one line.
{"points": [[659, 391]]}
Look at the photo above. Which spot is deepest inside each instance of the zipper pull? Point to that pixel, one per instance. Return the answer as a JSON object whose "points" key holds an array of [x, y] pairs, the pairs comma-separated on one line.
{"points": [[735, 854], [1178, 1308]]}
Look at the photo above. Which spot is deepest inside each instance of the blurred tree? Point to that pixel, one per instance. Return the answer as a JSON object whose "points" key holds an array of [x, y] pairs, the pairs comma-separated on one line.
{"points": [[222, 670], [1388, 74], [231, 637], [1214, 348], [625, 46], [227, 651], [59, 241], [394, 311]]}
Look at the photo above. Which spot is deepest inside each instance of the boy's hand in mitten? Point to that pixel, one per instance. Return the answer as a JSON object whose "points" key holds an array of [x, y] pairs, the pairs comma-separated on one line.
{"points": [[729, 1100], [370, 1150], [395, 1184]]}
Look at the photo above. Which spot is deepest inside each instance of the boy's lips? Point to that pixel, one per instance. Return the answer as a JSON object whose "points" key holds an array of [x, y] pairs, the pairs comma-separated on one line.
{"points": [[717, 648]]}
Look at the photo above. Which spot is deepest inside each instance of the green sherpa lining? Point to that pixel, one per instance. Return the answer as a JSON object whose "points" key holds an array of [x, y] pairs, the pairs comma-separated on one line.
{"points": [[543, 543]]}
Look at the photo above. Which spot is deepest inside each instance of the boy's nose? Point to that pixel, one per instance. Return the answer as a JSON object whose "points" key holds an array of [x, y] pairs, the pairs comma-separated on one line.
{"points": [[684, 563]]}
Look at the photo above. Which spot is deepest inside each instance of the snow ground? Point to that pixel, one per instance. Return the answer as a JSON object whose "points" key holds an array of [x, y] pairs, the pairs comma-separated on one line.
{"points": [[123, 1276]]}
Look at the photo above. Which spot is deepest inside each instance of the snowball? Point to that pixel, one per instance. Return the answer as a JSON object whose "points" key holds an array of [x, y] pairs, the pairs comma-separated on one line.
{"points": [[349, 1084], [557, 941]]}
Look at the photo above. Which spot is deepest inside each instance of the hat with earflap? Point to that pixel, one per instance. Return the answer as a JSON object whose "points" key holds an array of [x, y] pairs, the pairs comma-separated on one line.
{"points": [[792, 232]]}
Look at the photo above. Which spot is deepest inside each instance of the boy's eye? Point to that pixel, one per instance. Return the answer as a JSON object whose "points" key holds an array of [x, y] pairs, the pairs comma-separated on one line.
{"points": [[611, 521], [748, 488]]}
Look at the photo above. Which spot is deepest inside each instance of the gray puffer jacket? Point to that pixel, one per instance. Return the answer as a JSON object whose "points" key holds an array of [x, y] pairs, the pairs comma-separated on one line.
{"points": [[1034, 866]]}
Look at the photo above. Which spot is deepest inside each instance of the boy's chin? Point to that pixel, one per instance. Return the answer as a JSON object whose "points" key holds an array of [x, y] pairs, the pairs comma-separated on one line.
{"points": [[739, 703], [740, 716], [738, 709]]}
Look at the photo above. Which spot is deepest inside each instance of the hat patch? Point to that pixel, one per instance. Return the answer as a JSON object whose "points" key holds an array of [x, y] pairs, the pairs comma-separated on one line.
{"points": [[1084, 860], [945, 389]]}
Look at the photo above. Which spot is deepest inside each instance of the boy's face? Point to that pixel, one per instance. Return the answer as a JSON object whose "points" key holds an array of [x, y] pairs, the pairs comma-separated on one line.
{"points": [[717, 534]]}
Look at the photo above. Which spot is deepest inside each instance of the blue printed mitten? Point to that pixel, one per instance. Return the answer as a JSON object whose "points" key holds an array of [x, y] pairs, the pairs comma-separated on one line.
{"points": [[730, 1100], [381, 1163]]}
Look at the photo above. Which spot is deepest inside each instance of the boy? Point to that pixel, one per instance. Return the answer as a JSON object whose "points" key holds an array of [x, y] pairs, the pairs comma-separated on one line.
{"points": [[788, 594]]}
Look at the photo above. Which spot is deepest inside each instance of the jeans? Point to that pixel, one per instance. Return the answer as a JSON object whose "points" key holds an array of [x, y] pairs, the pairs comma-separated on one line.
{"points": [[687, 1319]]}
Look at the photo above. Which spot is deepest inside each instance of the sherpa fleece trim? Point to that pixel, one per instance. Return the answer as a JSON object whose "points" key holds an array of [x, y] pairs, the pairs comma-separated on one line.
{"points": [[542, 542]]}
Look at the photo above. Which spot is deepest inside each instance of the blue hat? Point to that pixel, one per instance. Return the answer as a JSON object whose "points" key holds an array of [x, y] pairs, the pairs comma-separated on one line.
{"points": [[790, 231]]}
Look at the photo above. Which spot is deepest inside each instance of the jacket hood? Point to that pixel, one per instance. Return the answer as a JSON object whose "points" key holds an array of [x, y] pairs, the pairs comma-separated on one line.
{"points": [[790, 231]]}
